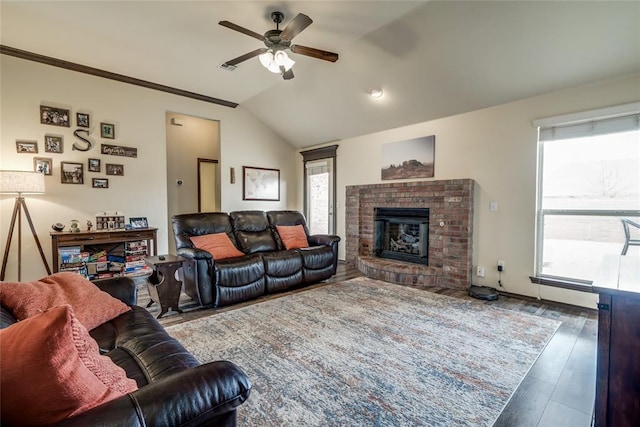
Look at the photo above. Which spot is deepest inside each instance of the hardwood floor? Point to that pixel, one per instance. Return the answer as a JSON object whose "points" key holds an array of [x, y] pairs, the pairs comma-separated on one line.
{"points": [[559, 389]]}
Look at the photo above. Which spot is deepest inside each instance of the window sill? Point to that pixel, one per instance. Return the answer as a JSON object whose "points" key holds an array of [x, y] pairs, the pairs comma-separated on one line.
{"points": [[564, 284]]}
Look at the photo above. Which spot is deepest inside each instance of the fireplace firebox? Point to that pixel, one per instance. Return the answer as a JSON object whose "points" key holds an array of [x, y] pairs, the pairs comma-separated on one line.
{"points": [[402, 234]]}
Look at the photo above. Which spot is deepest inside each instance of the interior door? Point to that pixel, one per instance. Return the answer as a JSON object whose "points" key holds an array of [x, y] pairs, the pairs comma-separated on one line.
{"points": [[320, 189]]}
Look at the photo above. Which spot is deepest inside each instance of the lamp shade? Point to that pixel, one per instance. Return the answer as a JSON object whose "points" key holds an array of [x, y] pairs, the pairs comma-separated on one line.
{"points": [[21, 182]]}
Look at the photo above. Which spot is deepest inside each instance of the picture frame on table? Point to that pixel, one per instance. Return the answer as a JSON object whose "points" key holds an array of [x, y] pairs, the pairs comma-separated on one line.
{"points": [[26, 147], [93, 165], [139, 222], [71, 173], [260, 183], [99, 183], [43, 165], [53, 144], [107, 131], [54, 116]]}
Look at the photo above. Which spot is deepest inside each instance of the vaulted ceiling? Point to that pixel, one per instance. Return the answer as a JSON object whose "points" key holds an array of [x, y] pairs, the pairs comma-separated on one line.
{"points": [[431, 58]]}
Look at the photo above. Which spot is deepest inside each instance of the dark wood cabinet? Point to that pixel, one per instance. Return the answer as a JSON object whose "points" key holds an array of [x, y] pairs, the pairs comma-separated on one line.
{"points": [[618, 372]]}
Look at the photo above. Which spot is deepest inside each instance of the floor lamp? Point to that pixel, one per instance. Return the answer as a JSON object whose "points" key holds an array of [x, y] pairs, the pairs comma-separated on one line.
{"points": [[21, 182]]}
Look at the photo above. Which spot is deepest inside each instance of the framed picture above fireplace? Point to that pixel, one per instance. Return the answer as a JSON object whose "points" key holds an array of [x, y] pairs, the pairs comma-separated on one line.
{"points": [[413, 158]]}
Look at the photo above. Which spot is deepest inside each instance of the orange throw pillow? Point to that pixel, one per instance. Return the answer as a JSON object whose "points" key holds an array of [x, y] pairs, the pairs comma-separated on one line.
{"points": [[92, 306], [219, 245], [52, 369], [293, 236]]}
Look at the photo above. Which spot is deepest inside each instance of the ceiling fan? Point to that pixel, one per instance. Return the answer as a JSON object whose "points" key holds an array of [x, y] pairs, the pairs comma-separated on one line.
{"points": [[273, 56]]}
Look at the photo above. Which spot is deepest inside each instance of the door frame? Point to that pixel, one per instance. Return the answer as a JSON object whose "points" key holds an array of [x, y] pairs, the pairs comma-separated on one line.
{"points": [[328, 152]]}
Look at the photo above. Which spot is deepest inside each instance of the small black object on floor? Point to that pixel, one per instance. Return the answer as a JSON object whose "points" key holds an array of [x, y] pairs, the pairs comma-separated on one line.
{"points": [[483, 292]]}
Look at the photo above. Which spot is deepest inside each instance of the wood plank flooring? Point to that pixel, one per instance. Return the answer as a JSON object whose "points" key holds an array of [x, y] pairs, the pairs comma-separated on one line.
{"points": [[559, 389]]}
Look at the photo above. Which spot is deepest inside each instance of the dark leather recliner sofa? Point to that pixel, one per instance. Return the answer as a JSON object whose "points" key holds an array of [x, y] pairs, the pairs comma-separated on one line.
{"points": [[174, 389], [266, 266]]}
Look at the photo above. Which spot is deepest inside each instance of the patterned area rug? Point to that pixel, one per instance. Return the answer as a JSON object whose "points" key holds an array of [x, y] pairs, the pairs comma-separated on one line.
{"points": [[366, 352]]}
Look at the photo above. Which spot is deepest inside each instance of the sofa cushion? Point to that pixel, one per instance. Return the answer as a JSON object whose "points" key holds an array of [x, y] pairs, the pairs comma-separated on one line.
{"points": [[292, 236], [317, 257], [218, 244], [51, 370], [91, 306], [252, 231]]}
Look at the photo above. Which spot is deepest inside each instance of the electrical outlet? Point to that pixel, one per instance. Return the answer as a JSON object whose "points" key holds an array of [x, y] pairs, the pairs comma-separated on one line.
{"points": [[480, 271]]}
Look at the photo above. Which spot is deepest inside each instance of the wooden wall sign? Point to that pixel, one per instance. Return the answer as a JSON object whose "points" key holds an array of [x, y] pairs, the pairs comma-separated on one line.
{"points": [[118, 150]]}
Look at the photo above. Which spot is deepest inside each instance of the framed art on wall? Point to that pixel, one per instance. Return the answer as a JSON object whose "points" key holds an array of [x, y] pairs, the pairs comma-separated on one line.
{"points": [[113, 169], [43, 165], [99, 183], [410, 159], [27, 147], [82, 120], [94, 165], [54, 116], [53, 144], [260, 183], [107, 130], [71, 173]]}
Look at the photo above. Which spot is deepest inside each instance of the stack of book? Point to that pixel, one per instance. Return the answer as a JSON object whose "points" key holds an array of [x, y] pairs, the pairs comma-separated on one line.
{"points": [[135, 253], [100, 263], [73, 259]]}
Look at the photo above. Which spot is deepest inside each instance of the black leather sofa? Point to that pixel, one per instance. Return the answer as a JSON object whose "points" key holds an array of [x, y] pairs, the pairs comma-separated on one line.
{"points": [[266, 266], [174, 389]]}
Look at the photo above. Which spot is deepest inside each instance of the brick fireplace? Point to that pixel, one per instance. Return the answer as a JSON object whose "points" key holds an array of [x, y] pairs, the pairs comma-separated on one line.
{"points": [[450, 204]]}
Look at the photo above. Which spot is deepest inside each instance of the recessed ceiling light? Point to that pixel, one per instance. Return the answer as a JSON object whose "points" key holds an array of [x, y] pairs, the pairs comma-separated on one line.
{"points": [[375, 92]]}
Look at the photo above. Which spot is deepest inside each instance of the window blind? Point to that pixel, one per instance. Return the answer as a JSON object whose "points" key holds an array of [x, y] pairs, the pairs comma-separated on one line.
{"points": [[590, 128]]}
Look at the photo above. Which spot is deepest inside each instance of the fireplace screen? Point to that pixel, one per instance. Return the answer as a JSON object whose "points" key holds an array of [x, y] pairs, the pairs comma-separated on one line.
{"points": [[402, 234]]}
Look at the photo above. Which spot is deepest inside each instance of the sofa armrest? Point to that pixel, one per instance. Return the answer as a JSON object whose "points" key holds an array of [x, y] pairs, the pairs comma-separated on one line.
{"points": [[194, 253], [123, 288], [196, 396], [323, 239]]}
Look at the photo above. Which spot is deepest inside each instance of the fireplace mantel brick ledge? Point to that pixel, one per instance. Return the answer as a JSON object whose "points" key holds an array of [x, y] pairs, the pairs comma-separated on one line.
{"points": [[450, 202]]}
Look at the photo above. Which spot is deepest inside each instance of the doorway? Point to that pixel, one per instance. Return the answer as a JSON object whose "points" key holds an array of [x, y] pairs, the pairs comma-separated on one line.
{"points": [[207, 185], [320, 189]]}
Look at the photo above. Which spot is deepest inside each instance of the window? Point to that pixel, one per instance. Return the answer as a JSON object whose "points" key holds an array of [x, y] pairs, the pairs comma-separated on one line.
{"points": [[589, 179]]}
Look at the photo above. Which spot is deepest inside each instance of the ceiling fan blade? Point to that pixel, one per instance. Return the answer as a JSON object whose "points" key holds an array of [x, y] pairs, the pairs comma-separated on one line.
{"points": [[295, 27], [287, 75], [314, 53], [242, 58], [242, 30]]}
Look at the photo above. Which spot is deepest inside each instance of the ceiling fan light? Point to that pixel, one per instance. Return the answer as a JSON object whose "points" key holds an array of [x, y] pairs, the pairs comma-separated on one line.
{"points": [[282, 59], [266, 58]]}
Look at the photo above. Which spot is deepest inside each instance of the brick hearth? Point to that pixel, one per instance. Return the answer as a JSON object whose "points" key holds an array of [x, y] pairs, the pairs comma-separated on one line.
{"points": [[450, 204]]}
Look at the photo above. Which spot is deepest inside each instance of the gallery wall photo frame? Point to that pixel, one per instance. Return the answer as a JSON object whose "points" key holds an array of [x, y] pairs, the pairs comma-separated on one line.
{"points": [[26, 147], [99, 183], [55, 116], [93, 165], [71, 173], [83, 120], [107, 130], [53, 144], [43, 165], [114, 169], [260, 183], [409, 159]]}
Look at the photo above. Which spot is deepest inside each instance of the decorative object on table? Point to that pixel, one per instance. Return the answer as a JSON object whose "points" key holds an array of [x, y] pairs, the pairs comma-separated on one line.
{"points": [[57, 226], [53, 144], [114, 169], [107, 131], [21, 182], [139, 222], [43, 165], [71, 173], [89, 225], [27, 147], [99, 183], [93, 165], [413, 158], [74, 227], [54, 116], [109, 220], [260, 183], [82, 120], [118, 150]]}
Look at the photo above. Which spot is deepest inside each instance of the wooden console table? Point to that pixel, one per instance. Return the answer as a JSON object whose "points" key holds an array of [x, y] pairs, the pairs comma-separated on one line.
{"points": [[61, 239], [618, 373]]}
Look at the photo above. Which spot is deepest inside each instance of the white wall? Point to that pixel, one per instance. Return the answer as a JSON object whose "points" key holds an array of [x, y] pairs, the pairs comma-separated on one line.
{"points": [[497, 148], [139, 116]]}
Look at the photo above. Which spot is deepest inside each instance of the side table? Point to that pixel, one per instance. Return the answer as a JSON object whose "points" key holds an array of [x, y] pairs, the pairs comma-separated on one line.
{"points": [[162, 285]]}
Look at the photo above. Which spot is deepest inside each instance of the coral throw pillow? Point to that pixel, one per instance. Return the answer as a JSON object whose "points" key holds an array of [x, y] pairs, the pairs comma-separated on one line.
{"points": [[293, 236], [92, 306], [52, 369], [219, 245]]}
